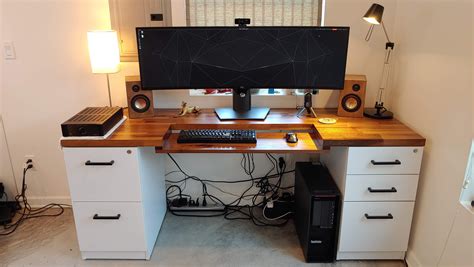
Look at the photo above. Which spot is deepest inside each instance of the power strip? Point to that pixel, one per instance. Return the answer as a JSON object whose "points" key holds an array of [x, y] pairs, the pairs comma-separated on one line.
{"points": [[208, 208]]}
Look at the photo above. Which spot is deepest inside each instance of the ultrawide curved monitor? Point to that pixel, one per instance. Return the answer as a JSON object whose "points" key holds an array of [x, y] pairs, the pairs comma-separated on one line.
{"points": [[251, 57]]}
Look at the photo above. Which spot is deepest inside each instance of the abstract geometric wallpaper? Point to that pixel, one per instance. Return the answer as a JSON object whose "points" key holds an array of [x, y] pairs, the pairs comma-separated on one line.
{"points": [[253, 57]]}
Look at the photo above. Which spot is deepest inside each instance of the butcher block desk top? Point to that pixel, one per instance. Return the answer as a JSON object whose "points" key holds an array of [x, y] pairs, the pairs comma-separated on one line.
{"points": [[162, 130]]}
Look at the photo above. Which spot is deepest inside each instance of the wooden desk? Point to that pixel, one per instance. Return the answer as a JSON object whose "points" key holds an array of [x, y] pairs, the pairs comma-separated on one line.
{"points": [[127, 177], [313, 136]]}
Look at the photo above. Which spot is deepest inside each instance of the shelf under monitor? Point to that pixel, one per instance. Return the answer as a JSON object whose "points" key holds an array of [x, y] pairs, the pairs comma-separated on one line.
{"points": [[267, 142]]}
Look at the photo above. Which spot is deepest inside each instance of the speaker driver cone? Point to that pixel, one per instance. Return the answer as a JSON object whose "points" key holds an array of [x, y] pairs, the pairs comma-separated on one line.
{"points": [[140, 103], [351, 102]]}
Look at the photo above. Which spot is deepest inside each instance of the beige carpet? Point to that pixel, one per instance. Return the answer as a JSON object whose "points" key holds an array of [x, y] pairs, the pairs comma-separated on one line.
{"points": [[182, 242]]}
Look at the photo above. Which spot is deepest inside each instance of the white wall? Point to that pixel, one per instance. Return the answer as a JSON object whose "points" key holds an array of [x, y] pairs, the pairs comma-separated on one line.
{"points": [[363, 57], [2, 146], [2, 142], [48, 82], [6, 176], [433, 95], [1, 59]]}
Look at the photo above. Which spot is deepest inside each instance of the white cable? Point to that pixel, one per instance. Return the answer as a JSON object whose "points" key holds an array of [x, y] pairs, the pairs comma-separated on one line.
{"points": [[449, 235], [276, 218]]}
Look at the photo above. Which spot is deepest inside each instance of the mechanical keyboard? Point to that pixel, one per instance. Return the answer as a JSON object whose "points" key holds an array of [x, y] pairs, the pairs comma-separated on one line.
{"points": [[217, 136]]}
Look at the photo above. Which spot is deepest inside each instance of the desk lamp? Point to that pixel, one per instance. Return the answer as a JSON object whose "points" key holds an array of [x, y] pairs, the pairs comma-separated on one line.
{"points": [[374, 17], [104, 54]]}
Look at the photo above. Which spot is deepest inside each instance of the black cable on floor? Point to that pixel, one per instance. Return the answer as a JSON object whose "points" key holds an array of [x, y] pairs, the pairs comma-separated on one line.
{"points": [[245, 212], [27, 212]]}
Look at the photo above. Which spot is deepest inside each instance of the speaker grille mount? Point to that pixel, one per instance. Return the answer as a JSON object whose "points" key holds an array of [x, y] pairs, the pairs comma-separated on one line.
{"points": [[140, 103], [351, 102]]}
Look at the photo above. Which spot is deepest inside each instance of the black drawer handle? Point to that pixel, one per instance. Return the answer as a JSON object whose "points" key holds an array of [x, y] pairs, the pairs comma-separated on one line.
{"points": [[391, 190], [97, 217], [395, 162], [91, 163], [369, 217]]}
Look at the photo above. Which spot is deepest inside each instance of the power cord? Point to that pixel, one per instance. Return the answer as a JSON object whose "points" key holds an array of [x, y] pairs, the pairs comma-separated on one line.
{"points": [[269, 191], [275, 218], [28, 212]]}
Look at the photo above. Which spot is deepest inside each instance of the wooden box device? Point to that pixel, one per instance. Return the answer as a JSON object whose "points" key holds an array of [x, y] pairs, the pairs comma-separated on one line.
{"points": [[92, 121], [352, 97]]}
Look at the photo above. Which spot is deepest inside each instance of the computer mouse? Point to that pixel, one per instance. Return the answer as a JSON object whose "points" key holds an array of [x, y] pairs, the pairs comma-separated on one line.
{"points": [[291, 137]]}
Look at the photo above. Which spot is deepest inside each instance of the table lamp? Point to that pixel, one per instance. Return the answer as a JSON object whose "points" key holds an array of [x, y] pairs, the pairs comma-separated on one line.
{"points": [[104, 54], [374, 17]]}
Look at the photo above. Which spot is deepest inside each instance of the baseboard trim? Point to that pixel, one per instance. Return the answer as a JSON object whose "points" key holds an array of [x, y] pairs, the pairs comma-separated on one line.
{"points": [[371, 255], [37, 202], [412, 259], [123, 255]]}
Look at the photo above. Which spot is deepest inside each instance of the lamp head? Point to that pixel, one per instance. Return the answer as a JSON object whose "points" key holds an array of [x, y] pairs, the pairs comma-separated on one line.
{"points": [[374, 14], [104, 51]]}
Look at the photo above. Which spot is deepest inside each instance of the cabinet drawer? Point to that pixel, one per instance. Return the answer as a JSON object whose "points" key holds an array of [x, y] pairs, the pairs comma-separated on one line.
{"points": [[103, 174], [381, 187], [384, 160], [109, 226], [375, 226]]}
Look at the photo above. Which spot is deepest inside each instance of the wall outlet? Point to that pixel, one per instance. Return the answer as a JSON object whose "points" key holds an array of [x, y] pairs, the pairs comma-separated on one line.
{"points": [[8, 50], [30, 157]]}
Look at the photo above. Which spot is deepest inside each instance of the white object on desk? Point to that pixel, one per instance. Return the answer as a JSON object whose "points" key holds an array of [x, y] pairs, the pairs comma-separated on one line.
{"points": [[327, 120]]}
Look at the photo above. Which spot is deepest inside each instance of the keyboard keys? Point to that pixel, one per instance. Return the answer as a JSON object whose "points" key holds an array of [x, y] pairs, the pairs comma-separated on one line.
{"points": [[217, 136]]}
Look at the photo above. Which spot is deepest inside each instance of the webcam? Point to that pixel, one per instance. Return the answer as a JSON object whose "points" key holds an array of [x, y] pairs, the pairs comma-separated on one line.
{"points": [[242, 22]]}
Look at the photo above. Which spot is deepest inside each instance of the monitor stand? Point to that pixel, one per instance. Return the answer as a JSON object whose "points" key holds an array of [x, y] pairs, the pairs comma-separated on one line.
{"points": [[242, 107]]}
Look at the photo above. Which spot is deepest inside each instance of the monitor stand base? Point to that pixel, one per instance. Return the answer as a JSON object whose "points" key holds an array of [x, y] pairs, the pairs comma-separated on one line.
{"points": [[253, 114]]}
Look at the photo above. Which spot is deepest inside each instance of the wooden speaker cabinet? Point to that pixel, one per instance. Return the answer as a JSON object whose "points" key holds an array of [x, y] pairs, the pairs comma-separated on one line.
{"points": [[352, 98], [140, 102]]}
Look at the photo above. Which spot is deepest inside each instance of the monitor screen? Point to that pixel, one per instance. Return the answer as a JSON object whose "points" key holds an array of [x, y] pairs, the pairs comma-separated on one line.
{"points": [[251, 57]]}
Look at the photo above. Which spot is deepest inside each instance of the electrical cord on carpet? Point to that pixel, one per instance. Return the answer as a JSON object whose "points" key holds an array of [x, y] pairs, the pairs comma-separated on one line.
{"points": [[233, 210], [27, 212]]}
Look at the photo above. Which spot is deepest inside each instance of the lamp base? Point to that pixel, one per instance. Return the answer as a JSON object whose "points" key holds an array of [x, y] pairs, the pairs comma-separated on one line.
{"points": [[375, 113]]}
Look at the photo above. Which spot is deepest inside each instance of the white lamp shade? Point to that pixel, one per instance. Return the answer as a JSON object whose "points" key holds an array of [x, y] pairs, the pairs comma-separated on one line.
{"points": [[104, 51]]}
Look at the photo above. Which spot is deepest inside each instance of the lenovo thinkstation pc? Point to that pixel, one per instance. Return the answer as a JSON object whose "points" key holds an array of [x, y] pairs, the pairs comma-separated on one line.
{"points": [[316, 212], [242, 58]]}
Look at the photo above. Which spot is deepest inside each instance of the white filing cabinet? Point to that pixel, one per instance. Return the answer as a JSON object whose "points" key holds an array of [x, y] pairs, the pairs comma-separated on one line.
{"points": [[378, 185], [118, 199]]}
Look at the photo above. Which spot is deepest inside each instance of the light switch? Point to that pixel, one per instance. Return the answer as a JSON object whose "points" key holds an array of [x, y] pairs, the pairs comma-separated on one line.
{"points": [[8, 50]]}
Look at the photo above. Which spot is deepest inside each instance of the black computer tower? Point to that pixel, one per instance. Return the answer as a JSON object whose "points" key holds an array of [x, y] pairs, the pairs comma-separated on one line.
{"points": [[317, 206]]}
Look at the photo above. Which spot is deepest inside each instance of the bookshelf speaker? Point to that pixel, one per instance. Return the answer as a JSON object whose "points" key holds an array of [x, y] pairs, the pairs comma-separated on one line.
{"points": [[352, 97], [140, 102]]}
